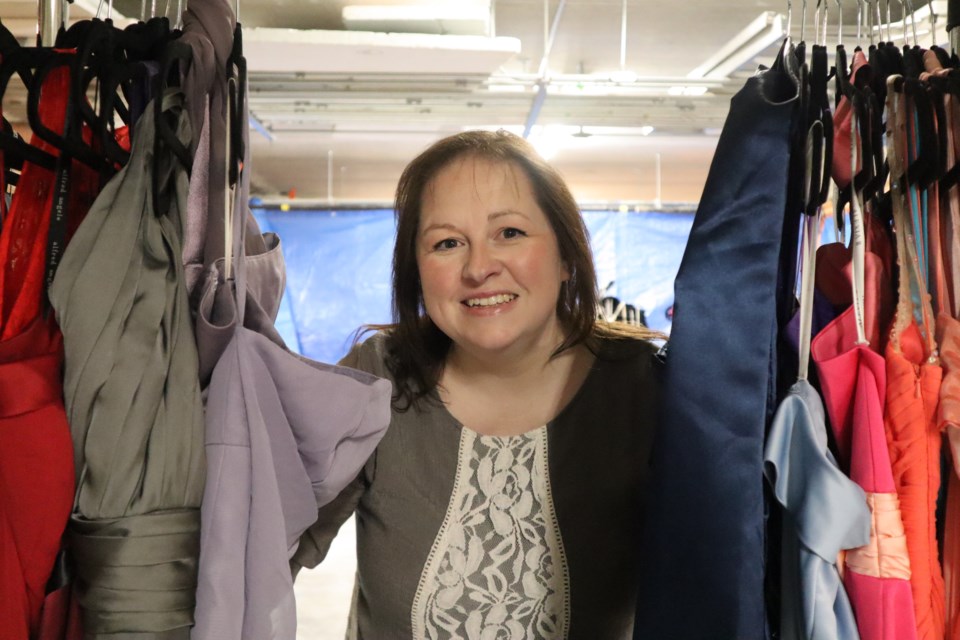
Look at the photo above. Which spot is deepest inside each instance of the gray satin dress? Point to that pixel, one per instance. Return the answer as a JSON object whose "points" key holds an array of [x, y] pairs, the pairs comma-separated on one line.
{"points": [[132, 397], [824, 513]]}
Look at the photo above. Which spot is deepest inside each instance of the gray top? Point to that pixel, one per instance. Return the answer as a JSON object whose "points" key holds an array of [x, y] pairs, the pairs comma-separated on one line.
{"points": [[597, 450]]}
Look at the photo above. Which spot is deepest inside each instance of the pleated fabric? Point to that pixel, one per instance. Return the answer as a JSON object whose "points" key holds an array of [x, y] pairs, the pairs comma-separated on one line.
{"points": [[947, 306], [913, 390], [133, 398], [948, 421], [704, 549]]}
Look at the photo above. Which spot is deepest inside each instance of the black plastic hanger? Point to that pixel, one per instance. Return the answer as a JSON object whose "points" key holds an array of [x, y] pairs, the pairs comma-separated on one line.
{"points": [[236, 93], [175, 61], [12, 162], [21, 62], [71, 141]]}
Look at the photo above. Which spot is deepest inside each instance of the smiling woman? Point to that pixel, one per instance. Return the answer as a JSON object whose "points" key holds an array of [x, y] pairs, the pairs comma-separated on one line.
{"points": [[506, 496]]}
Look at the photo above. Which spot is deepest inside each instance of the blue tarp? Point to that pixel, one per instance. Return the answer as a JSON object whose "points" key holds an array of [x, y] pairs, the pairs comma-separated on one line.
{"points": [[338, 269]]}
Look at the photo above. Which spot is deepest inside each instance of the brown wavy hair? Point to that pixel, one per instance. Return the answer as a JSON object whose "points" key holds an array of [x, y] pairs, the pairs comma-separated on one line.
{"points": [[416, 348]]}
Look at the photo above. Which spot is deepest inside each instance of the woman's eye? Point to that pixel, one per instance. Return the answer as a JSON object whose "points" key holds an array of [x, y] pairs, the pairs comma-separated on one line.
{"points": [[445, 245], [511, 232]]}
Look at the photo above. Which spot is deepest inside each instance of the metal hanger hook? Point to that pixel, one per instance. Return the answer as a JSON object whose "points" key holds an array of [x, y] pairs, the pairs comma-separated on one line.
{"points": [[889, 21], [789, 16], [803, 22], [878, 18], [826, 16], [859, 22], [903, 20], [839, 23], [913, 23]]}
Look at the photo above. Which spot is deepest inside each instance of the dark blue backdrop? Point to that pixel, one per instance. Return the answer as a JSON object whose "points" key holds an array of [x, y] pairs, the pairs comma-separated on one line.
{"points": [[338, 269]]}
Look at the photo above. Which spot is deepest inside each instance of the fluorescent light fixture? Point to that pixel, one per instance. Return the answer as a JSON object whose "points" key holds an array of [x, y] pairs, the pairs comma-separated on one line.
{"points": [[507, 88], [623, 76], [459, 18], [767, 28], [646, 130], [547, 148]]}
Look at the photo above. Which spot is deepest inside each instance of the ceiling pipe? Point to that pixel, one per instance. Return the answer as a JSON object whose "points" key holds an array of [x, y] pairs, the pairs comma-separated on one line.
{"points": [[550, 38], [542, 71], [623, 37]]}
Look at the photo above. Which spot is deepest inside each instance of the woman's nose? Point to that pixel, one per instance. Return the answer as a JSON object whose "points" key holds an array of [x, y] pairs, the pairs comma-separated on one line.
{"points": [[481, 264]]}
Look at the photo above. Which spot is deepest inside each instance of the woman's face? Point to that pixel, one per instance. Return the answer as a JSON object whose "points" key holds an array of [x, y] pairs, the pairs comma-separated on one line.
{"points": [[489, 263]]}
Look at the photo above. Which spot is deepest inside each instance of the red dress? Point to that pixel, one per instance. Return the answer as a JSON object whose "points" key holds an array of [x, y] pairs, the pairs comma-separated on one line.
{"points": [[36, 451]]}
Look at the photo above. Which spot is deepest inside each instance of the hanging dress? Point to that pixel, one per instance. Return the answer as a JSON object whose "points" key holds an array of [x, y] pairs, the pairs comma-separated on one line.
{"points": [[36, 453], [853, 380], [913, 386], [825, 512], [703, 570], [945, 259], [133, 397], [284, 436]]}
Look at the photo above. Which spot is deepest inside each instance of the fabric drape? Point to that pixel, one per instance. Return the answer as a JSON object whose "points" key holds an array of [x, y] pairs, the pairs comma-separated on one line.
{"points": [[133, 397], [36, 454], [853, 380], [703, 575], [284, 436], [825, 513]]}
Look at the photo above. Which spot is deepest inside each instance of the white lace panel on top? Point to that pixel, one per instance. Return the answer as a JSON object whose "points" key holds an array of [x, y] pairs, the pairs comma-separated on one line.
{"points": [[497, 567]]}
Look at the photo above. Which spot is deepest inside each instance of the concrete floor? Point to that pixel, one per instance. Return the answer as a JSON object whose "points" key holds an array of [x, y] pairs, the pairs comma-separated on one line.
{"points": [[323, 594]]}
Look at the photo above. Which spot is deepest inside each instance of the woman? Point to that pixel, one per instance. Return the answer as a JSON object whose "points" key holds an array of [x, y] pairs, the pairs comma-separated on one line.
{"points": [[505, 498]]}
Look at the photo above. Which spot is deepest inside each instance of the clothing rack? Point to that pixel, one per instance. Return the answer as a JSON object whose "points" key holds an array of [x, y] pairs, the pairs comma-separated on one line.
{"points": [[50, 17], [953, 21]]}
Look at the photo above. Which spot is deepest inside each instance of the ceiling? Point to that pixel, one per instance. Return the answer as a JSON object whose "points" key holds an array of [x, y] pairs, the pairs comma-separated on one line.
{"points": [[344, 92]]}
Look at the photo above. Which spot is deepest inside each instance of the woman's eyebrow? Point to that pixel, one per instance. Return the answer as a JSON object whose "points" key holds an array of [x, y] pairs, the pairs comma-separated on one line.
{"points": [[505, 212], [439, 225], [493, 216]]}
